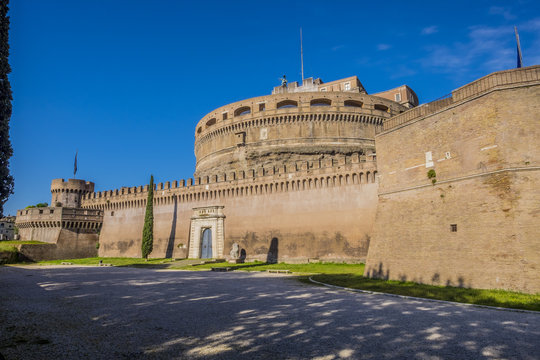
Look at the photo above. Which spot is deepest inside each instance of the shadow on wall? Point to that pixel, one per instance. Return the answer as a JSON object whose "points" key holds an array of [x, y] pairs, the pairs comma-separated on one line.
{"points": [[243, 255], [379, 272], [272, 256], [172, 235]]}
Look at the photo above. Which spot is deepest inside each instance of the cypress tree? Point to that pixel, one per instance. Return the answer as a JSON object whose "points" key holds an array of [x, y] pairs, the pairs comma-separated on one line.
{"points": [[148, 229], [6, 180]]}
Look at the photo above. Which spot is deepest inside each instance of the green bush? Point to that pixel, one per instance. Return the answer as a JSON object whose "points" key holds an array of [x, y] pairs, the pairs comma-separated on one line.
{"points": [[431, 174]]}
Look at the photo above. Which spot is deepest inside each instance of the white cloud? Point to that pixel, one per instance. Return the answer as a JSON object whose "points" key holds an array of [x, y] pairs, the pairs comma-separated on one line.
{"points": [[430, 30], [382, 47], [504, 12], [487, 49]]}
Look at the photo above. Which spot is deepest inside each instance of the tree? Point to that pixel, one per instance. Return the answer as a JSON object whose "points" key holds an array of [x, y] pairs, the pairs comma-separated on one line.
{"points": [[6, 180], [148, 229]]}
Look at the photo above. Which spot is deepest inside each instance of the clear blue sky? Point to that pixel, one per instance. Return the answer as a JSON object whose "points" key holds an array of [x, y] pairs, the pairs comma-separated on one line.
{"points": [[124, 82]]}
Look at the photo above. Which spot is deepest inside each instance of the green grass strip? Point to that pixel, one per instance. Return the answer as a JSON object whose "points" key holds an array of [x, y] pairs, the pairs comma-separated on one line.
{"points": [[499, 298], [312, 268], [21, 242], [107, 260]]}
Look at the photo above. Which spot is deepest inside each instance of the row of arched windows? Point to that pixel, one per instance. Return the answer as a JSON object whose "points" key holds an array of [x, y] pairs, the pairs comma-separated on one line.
{"points": [[63, 224], [275, 120]]}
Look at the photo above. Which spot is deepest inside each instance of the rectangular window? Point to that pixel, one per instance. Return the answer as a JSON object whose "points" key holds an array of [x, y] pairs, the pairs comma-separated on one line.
{"points": [[41, 211], [262, 106], [347, 86], [453, 227], [397, 97], [224, 116]]}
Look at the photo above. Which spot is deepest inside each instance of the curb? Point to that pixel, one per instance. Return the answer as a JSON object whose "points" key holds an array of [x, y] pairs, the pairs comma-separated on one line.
{"points": [[425, 299]]}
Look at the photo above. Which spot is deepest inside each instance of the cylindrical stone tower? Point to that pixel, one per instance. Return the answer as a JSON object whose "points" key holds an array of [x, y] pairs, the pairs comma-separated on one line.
{"points": [[69, 193], [282, 129]]}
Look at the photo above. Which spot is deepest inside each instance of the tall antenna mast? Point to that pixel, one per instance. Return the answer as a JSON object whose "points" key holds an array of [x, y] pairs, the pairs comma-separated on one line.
{"points": [[302, 55]]}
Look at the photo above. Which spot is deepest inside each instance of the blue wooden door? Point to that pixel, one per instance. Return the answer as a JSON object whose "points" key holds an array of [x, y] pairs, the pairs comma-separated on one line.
{"points": [[206, 244]]}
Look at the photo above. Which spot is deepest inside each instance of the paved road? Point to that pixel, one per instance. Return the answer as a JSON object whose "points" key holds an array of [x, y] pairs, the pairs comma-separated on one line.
{"points": [[126, 313]]}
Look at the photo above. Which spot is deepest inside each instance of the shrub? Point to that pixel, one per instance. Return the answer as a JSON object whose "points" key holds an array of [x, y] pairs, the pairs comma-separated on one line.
{"points": [[148, 229]]}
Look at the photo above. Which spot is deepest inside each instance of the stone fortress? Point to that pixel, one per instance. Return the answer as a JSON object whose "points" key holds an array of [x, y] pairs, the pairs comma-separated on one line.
{"points": [[69, 230], [326, 172]]}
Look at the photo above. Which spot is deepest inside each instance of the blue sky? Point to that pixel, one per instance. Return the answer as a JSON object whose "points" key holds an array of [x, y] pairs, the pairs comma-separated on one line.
{"points": [[124, 82]]}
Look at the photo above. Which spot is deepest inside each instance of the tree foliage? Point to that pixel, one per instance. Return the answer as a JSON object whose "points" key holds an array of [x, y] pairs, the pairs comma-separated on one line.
{"points": [[148, 229], [6, 180]]}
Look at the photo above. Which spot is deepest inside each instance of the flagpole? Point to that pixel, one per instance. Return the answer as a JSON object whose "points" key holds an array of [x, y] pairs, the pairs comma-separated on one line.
{"points": [[519, 57], [75, 165], [302, 55]]}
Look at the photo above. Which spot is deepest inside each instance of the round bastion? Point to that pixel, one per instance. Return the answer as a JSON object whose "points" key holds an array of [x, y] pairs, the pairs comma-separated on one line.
{"points": [[287, 128], [69, 193]]}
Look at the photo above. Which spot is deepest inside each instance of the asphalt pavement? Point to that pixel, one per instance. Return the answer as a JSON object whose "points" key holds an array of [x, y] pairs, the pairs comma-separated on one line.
{"points": [[73, 312]]}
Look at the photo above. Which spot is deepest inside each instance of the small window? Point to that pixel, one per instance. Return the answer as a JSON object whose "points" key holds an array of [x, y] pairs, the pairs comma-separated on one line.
{"points": [[262, 106], [397, 97], [51, 211], [453, 227], [225, 116], [112, 213], [41, 211], [347, 86]]}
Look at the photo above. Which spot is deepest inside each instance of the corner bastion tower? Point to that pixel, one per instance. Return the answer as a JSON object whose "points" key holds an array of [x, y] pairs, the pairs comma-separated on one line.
{"points": [[70, 230], [288, 176]]}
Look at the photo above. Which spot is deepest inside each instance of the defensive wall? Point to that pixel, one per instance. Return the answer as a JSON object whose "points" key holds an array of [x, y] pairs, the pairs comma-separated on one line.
{"points": [[475, 220], [322, 209], [287, 127]]}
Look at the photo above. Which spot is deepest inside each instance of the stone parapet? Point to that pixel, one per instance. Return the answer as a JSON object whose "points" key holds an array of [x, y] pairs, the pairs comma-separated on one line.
{"points": [[263, 181], [498, 80]]}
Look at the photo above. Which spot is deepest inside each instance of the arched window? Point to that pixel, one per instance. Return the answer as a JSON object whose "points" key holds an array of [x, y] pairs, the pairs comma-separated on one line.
{"points": [[320, 102], [210, 122], [381, 107], [353, 103], [287, 104], [244, 110]]}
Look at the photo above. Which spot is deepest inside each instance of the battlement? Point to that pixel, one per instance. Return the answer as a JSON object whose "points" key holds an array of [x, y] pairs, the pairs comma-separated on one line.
{"points": [[352, 170], [68, 193], [72, 185], [59, 217], [494, 81]]}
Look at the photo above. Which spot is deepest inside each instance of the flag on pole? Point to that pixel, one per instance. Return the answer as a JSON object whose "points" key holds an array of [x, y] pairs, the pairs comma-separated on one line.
{"points": [[519, 57], [75, 165]]}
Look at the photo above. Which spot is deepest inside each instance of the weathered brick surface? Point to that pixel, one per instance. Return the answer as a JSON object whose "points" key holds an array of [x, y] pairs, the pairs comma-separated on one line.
{"points": [[488, 185]]}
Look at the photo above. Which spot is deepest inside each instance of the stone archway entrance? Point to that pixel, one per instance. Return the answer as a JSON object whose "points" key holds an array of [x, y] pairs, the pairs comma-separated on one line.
{"points": [[206, 239]]}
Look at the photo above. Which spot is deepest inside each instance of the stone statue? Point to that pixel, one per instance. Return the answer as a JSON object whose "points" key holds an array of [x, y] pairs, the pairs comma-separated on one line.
{"points": [[235, 251], [283, 81]]}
